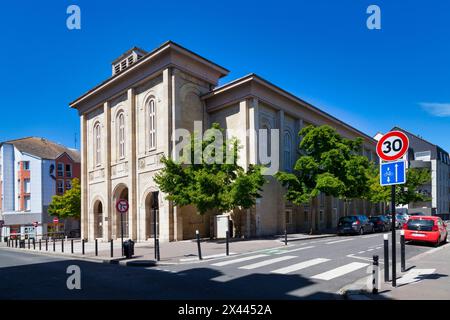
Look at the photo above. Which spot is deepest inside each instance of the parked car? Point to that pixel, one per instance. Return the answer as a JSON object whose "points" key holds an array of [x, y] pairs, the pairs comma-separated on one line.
{"points": [[426, 229], [400, 220], [354, 225], [380, 223]]}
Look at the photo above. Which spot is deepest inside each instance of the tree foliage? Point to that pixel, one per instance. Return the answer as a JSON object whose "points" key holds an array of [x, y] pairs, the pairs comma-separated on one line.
{"points": [[211, 186], [329, 164], [67, 205]]}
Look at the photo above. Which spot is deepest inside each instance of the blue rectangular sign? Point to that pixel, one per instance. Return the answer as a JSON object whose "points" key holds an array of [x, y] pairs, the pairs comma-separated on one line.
{"points": [[392, 173]]}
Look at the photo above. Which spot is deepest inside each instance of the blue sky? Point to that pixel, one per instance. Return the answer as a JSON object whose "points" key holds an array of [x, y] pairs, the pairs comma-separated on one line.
{"points": [[319, 50]]}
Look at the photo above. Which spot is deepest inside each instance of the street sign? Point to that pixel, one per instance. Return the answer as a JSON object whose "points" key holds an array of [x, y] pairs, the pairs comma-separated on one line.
{"points": [[392, 173], [35, 224], [392, 146], [55, 220], [122, 206]]}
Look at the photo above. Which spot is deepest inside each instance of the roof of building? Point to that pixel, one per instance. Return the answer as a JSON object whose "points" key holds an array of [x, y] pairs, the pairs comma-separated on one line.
{"points": [[271, 86], [128, 52], [43, 148], [418, 137]]}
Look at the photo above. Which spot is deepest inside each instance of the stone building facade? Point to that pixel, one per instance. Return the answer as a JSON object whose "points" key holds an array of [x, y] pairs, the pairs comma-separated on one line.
{"points": [[127, 125]]}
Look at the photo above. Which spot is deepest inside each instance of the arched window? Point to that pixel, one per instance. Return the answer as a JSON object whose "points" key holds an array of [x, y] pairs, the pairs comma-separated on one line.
{"points": [[287, 151], [97, 144], [121, 135], [151, 124]]}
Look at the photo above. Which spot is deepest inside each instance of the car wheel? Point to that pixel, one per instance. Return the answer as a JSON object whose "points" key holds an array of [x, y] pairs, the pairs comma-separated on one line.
{"points": [[438, 242], [361, 231]]}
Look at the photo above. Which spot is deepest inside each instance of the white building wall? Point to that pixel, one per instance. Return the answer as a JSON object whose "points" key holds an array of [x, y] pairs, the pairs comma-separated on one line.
{"points": [[8, 177]]}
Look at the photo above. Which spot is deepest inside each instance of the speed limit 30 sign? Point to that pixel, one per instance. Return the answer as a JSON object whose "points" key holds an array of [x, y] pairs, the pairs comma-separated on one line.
{"points": [[392, 146]]}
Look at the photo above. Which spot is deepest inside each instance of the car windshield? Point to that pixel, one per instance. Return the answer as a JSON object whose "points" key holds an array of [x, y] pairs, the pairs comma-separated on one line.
{"points": [[422, 225], [347, 219]]}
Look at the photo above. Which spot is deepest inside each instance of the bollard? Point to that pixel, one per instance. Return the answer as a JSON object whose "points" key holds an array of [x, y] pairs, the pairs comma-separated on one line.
{"points": [[285, 237], [375, 275], [386, 257], [82, 246], [28, 243], [16, 242], [54, 245], [96, 247], [402, 250], [62, 245], [34, 244], [198, 245], [46, 244], [71, 246], [157, 249], [112, 247], [40, 244], [228, 242]]}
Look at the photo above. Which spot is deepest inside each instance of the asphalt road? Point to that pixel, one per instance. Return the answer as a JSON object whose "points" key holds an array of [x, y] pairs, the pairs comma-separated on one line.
{"points": [[314, 269]]}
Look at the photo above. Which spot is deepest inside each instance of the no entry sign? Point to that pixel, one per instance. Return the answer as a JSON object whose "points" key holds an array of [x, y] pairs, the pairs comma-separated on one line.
{"points": [[392, 146], [55, 220], [122, 206]]}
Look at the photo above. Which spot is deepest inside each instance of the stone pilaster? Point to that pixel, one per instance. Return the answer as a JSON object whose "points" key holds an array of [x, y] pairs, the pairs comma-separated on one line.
{"points": [[131, 147], [84, 178], [108, 208]]}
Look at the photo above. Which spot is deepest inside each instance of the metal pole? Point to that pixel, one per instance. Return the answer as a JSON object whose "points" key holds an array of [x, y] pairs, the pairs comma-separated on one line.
{"points": [[46, 244], [62, 245], [157, 249], [112, 248], [198, 245], [54, 245], [28, 243], [394, 260], [375, 275], [155, 236], [285, 237], [16, 242], [82, 246], [386, 257], [402, 250], [228, 242], [40, 244], [121, 230], [71, 246], [96, 247], [34, 244]]}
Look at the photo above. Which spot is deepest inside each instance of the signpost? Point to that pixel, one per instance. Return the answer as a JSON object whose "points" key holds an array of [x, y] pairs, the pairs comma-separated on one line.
{"points": [[122, 206], [390, 148]]}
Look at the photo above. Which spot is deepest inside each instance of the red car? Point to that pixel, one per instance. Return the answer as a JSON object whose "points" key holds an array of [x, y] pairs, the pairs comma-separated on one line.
{"points": [[426, 229]]}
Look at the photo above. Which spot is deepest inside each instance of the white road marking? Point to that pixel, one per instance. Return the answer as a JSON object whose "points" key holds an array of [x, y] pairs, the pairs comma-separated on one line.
{"points": [[415, 275], [266, 262], [225, 263], [380, 261], [337, 241], [371, 236], [293, 250], [340, 271], [207, 257], [370, 249], [361, 252], [300, 266]]}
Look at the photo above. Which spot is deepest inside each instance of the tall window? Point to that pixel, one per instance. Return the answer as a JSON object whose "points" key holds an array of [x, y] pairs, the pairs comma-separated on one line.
{"points": [[27, 186], [121, 134], [97, 144], [60, 186], [60, 170], [68, 170], [152, 124], [27, 203], [287, 151]]}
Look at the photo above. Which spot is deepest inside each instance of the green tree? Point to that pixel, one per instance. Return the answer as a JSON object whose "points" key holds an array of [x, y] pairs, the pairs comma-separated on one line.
{"points": [[67, 205], [211, 186], [329, 164], [405, 193]]}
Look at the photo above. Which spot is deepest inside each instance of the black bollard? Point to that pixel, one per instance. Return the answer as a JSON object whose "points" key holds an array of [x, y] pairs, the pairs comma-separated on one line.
{"points": [[285, 237], [112, 247], [228, 242], [16, 242], [62, 245], [386, 257], [54, 245], [157, 249], [402, 250], [28, 243], [375, 275], [82, 246], [71, 246], [198, 245], [34, 244], [40, 244], [96, 247], [46, 244]]}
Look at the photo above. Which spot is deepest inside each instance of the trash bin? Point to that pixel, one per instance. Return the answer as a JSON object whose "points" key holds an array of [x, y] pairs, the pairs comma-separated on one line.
{"points": [[22, 244], [128, 249]]}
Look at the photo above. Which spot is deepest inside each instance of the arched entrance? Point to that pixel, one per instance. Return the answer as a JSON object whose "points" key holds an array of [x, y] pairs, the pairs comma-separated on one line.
{"points": [[98, 219], [121, 193], [151, 210]]}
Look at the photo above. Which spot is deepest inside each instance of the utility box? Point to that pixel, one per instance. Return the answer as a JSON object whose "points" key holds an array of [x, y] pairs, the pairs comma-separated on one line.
{"points": [[221, 225]]}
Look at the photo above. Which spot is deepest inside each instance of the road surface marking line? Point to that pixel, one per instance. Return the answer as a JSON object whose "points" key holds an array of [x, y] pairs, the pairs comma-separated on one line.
{"points": [[337, 241], [293, 250], [219, 255], [370, 249], [361, 252], [266, 262], [371, 236], [300, 266], [340, 271], [225, 263]]}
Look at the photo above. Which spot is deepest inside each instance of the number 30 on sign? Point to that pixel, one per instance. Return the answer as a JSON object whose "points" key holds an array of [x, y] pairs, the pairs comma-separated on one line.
{"points": [[392, 146]]}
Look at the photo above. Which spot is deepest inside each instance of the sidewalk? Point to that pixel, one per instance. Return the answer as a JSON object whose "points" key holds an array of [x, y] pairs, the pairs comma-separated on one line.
{"points": [[426, 278], [180, 252]]}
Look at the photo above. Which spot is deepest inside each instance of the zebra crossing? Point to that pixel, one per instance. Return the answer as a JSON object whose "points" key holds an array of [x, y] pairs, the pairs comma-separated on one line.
{"points": [[264, 261]]}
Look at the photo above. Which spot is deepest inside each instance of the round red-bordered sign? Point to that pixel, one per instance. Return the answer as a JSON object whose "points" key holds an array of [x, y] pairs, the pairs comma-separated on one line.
{"points": [[55, 220], [122, 206], [392, 146]]}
